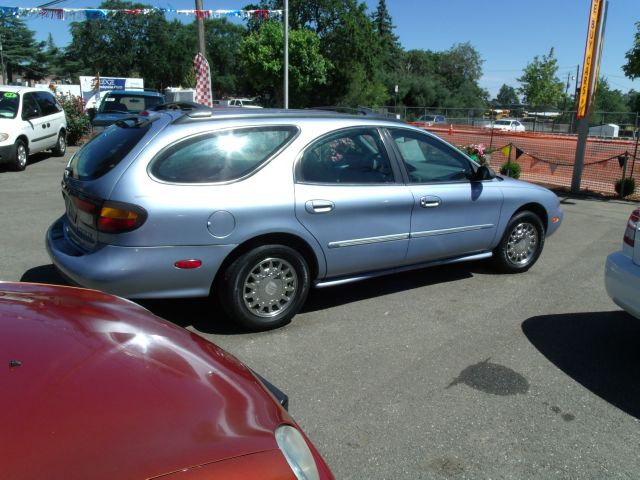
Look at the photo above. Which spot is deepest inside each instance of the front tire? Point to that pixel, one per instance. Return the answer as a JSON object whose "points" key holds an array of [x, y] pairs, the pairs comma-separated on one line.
{"points": [[521, 244], [21, 154], [61, 145], [265, 287]]}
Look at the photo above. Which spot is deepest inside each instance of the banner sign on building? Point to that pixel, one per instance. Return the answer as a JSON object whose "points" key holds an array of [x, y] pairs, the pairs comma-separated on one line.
{"points": [[91, 87]]}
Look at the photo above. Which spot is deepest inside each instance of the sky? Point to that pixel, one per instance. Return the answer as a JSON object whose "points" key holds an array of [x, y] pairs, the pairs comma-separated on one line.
{"points": [[508, 34]]}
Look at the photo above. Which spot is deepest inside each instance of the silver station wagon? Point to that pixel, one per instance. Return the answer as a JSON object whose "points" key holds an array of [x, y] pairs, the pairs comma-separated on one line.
{"points": [[257, 206]]}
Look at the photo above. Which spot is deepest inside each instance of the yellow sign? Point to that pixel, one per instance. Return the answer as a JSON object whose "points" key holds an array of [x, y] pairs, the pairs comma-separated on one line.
{"points": [[589, 54]]}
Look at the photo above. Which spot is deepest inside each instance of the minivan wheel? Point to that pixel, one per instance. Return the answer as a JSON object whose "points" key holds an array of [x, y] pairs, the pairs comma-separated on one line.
{"points": [[265, 287], [61, 145], [21, 155], [521, 244]]}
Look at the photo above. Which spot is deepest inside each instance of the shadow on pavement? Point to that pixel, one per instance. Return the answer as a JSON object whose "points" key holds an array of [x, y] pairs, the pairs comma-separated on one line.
{"points": [[599, 350], [43, 274], [207, 316]]}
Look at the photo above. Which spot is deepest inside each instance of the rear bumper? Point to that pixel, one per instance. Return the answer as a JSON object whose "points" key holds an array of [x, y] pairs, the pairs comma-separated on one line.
{"points": [[136, 272], [622, 281]]}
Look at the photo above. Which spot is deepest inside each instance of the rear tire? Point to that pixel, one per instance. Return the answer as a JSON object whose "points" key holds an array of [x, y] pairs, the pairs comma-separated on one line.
{"points": [[61, 145], [265, 287], [21, 154], [521, 244]]}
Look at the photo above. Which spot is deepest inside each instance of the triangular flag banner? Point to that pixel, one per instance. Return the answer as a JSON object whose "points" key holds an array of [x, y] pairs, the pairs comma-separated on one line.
{"points": [[518, 153], [506, 149], [553, 167], [534, 160], [604, 163], [203, 80], [622, 159]]}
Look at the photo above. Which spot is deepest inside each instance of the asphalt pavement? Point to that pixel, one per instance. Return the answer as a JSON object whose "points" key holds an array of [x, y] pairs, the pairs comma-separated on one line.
{"points": [[445, 373]]}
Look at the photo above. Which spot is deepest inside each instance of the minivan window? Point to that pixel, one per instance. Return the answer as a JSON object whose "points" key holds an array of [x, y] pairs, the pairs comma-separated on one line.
{"points": [[221, 156], [30, 108], [106, 150], [9, 102], [47, 103]]}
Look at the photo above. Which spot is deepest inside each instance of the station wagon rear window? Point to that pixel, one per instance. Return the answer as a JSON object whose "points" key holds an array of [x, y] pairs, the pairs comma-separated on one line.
{"points": [[222, 156], [106, 150]]}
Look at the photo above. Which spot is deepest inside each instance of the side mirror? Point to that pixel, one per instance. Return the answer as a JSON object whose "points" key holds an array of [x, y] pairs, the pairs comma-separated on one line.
{"points": [[92, 113], [484, 173]]}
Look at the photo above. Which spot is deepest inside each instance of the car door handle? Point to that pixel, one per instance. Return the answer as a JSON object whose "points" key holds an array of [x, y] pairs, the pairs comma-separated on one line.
{"points": [[319, 206], [430, 201]]}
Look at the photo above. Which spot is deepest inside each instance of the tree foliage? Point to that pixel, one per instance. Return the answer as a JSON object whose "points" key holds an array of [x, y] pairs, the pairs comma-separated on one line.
{"points": [[540, 85], [21, 53], [632, 67], [507, 96], [261, 56]]}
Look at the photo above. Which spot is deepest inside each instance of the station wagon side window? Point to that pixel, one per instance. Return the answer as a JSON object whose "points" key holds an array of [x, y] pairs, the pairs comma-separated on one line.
{"points": [[428, 159], [353, 156], [221, 156]]}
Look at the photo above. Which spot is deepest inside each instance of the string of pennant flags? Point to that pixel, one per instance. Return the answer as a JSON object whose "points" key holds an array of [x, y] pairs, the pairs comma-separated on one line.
{"points": [[510, 147], [102, 13]]}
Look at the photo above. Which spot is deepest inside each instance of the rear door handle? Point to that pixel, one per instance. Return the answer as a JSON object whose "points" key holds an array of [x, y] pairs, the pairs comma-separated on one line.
{"points": [[319, 206], [430, 201]]}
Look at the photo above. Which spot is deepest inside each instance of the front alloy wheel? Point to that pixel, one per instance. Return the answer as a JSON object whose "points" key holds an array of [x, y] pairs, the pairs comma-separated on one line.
{"points": [[21, 154], [265, 287], [521, 244]]}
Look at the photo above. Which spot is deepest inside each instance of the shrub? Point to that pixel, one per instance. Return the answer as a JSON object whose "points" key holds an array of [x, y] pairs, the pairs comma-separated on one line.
{"points": [[629, 186], [78, 123], [510, 169]]}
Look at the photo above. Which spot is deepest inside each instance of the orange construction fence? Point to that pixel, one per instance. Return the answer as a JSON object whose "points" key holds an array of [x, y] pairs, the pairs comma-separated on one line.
{"points": [[549, 159]]}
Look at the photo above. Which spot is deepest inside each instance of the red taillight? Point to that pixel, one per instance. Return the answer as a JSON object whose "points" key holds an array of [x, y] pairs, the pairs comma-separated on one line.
{"points": [[632, 227], [85, 205], [120, 217]]}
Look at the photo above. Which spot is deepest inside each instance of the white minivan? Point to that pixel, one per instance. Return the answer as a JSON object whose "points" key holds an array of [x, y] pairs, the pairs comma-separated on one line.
{"points": [[31, 121]]}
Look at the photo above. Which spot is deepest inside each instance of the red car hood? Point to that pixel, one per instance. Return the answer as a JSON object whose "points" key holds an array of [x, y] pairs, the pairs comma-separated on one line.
{"points": [[96, 387]]}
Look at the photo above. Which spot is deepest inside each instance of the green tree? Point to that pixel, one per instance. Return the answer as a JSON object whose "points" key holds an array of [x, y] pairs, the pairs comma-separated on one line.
{"points": [[632, 67], [507, 96], [540, 85], [20, 51], [130, 46], [390, 47], [261, 59]]}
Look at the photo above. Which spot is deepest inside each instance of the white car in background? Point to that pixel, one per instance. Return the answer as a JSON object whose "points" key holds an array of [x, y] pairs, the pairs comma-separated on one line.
{"points": [[622, 270], [31, 121], [507, 125]]}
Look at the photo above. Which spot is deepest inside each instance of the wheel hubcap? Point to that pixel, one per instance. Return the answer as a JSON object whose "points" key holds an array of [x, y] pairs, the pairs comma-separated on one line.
{"points": [[270, 287], [522, 244], [62, 143], [22, 155]]}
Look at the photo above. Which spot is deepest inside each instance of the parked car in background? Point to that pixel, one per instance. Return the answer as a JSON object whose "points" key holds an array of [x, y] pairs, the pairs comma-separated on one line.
{"points": [[31, 121], [506, 125], [255, 207], [118, 104], [429, 120], [242, 102], [622, 269], [96, 387]]}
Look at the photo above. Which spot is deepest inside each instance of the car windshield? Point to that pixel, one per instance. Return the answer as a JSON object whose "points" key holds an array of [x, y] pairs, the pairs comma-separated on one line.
{"points": [[503, 122], [427, 118], [128, 103], [9, 104]]}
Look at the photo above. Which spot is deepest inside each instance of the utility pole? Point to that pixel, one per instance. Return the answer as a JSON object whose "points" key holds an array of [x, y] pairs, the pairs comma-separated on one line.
{"points": [[200, 20], [286, 54]]}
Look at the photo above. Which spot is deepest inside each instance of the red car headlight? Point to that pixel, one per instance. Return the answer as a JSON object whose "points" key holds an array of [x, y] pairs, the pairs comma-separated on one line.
{"points": [[296, 451]]}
